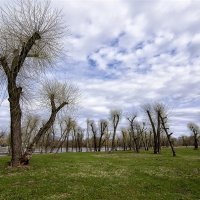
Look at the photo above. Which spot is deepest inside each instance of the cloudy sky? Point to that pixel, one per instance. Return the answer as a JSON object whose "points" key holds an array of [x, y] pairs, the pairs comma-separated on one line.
{"points": [[126, 53]]}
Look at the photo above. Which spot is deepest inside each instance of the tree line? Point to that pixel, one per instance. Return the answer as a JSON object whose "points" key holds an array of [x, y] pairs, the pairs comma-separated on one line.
{"points": [[65, 135]]}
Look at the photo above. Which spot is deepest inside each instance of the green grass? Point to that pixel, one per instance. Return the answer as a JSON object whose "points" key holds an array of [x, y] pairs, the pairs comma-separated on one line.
{"points": [[119, 175]]}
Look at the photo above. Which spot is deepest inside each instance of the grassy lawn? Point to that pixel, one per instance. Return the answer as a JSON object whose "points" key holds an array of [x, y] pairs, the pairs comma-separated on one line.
{"points": [[119, 175]]}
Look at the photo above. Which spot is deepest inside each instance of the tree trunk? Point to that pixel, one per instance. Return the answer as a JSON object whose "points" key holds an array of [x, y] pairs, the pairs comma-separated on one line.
{"points": [[158, 133], [67, 144], [155, 147], [113, 139], [15, 115], [196, 141]]}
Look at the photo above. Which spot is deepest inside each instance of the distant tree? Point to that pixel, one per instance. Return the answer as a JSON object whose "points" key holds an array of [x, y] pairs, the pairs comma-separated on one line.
{"points": [[94, 133], [103, 130], [66, 126], [125, 138], [106, 141], [30, 36], [80, 135], [88, 135], [30, 126], [2, 137], [196, 131], [115, 118], [133, 137], [183, 140]]}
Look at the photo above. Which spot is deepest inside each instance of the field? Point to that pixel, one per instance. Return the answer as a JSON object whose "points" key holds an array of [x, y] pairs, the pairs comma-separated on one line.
{"points": [[118, 175]]}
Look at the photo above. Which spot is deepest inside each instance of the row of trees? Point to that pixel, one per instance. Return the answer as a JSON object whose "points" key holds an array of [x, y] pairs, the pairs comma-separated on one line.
{"points": [[106, 135]]}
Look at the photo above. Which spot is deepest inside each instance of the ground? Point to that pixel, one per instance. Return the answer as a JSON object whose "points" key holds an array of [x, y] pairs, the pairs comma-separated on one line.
{"points": [[118, 175]]}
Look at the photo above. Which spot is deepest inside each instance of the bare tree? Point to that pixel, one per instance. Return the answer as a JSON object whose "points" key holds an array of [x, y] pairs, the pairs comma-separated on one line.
{"points": [[124, 138], [106, 141], [2, 137], [133, 137], [103, 130], [80, 135], [94, 132], [163, 117], [30, 127], [30, 33], [196, 131], [55, 95], [115, 118], [88, 135], [65, 131], [136, 134], [158, 119], [155, 125]]}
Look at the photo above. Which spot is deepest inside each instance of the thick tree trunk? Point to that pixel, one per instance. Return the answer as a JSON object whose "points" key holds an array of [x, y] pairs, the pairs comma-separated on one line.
{"points": [[15, 123], [15, 116], [196, 141]]}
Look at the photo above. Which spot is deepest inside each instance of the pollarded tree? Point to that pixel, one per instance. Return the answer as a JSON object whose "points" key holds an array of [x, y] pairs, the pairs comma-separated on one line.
{"points": [[30, 33], [103, 126], [196, 131], [80, 135], [125, 138], [55, 96], [88, 135], [133, 138], [93, 129], [115, 118]]}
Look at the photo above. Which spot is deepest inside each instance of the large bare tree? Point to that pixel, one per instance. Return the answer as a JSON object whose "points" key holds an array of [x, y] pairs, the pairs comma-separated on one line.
{"points": [[30, 33]]}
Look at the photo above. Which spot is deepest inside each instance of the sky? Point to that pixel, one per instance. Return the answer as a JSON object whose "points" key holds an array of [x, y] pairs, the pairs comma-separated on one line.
{"points": [[123, 54]]}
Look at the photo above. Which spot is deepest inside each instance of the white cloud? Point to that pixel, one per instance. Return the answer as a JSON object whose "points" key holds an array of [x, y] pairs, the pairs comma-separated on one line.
{"points": [[142, 51]]}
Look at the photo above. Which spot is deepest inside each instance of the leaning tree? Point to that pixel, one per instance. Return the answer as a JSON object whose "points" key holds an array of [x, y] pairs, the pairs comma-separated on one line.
{"points": [[30, 36], [54, 96]]}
